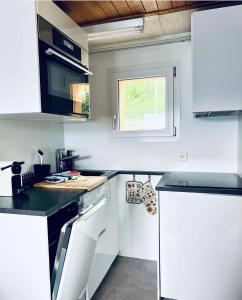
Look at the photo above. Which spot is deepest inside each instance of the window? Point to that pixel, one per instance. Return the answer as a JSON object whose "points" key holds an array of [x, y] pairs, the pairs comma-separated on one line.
{"points": [[143, 101]]}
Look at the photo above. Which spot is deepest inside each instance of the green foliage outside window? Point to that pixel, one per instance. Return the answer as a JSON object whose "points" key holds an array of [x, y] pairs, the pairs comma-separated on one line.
{"points": [[139, 98]]}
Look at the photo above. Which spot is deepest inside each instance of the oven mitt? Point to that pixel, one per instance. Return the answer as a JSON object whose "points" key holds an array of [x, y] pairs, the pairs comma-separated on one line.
{"points": [[132, 192], [149, 197]]}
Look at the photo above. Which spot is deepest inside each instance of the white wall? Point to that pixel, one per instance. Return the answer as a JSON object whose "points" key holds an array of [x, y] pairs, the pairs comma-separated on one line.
{"points": [[240, 145], [139, 231], [211, 143], [18, 139]]}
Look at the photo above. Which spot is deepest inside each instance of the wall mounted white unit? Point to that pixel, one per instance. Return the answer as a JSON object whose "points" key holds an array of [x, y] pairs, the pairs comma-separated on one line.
{"points": [[20, 73], [217, 61]]}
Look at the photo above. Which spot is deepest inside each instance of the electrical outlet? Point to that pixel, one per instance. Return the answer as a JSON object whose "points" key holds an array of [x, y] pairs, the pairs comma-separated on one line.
{"points": [[183, 156]]}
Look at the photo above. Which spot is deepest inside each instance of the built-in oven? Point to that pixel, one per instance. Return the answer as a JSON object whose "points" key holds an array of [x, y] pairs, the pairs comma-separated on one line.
{"points": [[64, 81]]}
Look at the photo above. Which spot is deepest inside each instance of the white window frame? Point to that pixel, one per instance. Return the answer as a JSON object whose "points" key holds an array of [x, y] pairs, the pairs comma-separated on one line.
{"points": [[144, 71]]}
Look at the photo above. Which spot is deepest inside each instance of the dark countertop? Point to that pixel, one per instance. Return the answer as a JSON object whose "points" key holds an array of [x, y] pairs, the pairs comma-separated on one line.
{"points": [[44, 202], [111, 173], [39, 201], [201, 182]]}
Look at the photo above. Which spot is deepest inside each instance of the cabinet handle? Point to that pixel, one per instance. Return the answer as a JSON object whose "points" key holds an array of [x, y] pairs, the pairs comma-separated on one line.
{"points": [[50, 51], [101, 233], [93, 210]]}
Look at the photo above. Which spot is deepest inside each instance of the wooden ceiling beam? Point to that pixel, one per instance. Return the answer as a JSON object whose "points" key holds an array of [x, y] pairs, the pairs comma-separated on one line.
{"points": [[111, 10]]}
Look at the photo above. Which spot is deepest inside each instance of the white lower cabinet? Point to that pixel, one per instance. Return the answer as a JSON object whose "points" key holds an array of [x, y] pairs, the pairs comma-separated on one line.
{"points": [[108, 243], [200, 246], [24, 252], [24, 258]]}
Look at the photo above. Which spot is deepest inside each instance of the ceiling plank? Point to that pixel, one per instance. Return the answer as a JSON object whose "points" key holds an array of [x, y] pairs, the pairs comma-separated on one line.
{"points": [[164, 4], [108, 9], [136, 6], [150, 6], [82, 12], [178, 3], [122, 8], [94, 8]]}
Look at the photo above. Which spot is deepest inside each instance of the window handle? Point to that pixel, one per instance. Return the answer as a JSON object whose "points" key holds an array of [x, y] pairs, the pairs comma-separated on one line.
{"points": [[114, 121]]}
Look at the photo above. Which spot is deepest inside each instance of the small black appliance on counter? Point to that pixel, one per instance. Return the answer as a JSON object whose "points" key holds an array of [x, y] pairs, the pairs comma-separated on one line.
{"points": [[10, 178]]}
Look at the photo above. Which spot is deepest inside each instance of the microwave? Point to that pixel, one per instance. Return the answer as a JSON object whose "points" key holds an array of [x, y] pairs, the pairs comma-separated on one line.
{"points": [[64, 80]]}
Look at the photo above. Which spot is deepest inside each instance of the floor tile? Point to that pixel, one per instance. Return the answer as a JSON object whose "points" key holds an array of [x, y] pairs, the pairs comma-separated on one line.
{"points": [[129, 279]]}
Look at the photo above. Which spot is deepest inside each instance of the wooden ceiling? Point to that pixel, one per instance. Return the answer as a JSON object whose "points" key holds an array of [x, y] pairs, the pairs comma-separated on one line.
{"points": [[86, 13]]}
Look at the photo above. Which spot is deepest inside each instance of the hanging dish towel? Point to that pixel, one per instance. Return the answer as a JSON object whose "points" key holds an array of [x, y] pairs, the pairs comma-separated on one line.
{"points": [[133, 191], [148, 195]]}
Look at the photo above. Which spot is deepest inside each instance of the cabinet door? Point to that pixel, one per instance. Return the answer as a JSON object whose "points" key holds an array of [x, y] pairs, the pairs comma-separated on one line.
{"points": [[24, 258], [108, 243], [217, 59], [19, 78], [72, 275], [200, 246]]}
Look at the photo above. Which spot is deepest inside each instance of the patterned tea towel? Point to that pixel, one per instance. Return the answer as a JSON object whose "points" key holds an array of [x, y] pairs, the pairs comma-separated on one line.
{"points": [[132, 191], [148, 195]]}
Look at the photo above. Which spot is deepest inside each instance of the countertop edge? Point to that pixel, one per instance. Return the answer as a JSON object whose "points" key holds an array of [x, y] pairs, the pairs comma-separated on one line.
{"points": [[112, 173], [162, 187]]}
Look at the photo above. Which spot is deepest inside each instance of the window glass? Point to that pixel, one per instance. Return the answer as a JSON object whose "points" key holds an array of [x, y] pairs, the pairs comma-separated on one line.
{"points": [[142, 103]]}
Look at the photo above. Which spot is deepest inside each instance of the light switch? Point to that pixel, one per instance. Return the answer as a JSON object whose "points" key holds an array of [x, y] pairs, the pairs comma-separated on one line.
{"points": [[183, 156]]}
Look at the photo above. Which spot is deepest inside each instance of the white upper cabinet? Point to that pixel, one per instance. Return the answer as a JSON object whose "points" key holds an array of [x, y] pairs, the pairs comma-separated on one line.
{"points": [[20, 83], [217, 59], [19, 71]]}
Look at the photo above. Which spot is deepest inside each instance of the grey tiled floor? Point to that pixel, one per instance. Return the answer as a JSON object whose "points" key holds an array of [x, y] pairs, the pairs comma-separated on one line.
{"points": [[129, 279]]}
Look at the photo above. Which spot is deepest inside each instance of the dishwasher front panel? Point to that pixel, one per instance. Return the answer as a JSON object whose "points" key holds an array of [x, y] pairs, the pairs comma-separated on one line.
{"points": [[76, 252]]}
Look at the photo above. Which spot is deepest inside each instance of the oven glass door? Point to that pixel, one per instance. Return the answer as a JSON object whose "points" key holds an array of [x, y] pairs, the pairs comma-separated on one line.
{"points": [[64, 87]]}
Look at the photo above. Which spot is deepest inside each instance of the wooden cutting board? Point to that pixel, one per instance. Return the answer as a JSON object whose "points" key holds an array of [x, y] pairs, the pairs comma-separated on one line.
{"points": [[91, 183]]}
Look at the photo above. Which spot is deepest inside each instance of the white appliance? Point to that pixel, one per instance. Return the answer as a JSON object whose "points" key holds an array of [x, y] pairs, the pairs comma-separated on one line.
{"points": [[76, 249]]}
